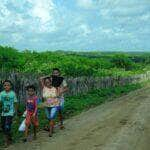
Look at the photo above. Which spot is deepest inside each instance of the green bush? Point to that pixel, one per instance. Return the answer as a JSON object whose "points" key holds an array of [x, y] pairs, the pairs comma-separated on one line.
{"points": [[73, 63]]}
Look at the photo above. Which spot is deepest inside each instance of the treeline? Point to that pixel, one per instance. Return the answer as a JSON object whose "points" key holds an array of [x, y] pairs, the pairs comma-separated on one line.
{"points": [[73, 63]]}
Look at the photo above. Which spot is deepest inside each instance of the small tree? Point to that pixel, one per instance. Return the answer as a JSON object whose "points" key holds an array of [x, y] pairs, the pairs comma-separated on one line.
{"points": [[122, 61], [9, 59]]}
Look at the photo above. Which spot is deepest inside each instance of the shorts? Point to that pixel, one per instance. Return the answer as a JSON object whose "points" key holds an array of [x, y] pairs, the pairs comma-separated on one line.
{"points": [[6, 122], [30, 120], [61, 107], [51, 112]]}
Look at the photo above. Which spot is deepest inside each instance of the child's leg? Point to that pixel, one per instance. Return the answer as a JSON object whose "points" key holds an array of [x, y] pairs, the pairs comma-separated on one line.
{"points": [[3, 119], [51, 128], [26, 133], [52, 117], [47, 112], [60, 115], [6, 125], [35, 125], [27, 123], [9, 123], [35, 130], [3, 122]]}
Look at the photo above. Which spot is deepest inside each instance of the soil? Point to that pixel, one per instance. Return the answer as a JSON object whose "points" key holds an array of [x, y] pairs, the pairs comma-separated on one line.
{"points": [[122, 124]]}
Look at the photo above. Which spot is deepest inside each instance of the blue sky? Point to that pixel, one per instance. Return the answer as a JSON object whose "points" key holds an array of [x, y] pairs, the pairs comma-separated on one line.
{"points": [[113, 25]]}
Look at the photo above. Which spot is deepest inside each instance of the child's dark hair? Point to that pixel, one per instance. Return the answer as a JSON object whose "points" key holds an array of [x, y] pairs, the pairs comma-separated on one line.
{"points": [[57, 69], [30, 87], [8, 81]]}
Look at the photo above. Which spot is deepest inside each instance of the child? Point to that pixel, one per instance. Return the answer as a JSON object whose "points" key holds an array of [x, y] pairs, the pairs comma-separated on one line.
{"points": [[62, 84], [31, 108], [51, 101], [8, 102]]}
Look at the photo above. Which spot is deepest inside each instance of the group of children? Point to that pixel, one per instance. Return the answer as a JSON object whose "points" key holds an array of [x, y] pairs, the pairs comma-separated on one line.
{"points": [[53, 88]]}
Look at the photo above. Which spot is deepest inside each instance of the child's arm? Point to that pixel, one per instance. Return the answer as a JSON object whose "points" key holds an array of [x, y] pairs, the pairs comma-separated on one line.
{"points": [[58, 91], [64, 87], [62, 90], [36, 107], [16, 105], [42, 81], [35, 112]]}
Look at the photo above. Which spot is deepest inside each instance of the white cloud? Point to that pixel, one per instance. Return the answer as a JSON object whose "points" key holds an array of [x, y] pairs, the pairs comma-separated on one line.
{"points": [[39, 17], [106, 30], [16, 37], [4, 11], [19, 20], [87, 4], [43, 9], [145, 17], [44, 13], [85, 29]]}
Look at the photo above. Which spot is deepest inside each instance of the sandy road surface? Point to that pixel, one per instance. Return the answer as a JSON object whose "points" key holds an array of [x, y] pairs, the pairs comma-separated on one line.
{"points": [[122, 124]]}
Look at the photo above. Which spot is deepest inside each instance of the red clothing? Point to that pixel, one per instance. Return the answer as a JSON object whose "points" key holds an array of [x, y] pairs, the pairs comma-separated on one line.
{"points": [[31, 106], [30, 119]]}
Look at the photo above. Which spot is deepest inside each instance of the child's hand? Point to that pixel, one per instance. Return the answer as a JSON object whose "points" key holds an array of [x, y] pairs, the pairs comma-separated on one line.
{"points": [[41, 78], [59, 91], [33, 116]]}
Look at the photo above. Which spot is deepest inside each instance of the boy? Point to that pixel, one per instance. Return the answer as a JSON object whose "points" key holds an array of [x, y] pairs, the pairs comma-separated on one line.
{"points": [[31, 108], [60, 82], [8, 102]]}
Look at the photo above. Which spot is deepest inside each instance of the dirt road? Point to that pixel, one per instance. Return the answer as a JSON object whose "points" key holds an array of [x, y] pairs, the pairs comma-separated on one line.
{"points": [[122, 124]]}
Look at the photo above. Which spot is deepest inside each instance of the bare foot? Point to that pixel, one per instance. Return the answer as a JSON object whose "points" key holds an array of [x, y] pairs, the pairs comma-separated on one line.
{"points": [[62, 127], [50, 134]]}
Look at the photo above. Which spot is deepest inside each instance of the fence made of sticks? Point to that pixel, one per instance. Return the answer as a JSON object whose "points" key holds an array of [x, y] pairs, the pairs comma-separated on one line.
{"points": [[76, 85]]}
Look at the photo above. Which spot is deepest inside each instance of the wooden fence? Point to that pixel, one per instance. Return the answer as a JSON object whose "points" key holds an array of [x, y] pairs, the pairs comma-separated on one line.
{"points": [[76, 85]]}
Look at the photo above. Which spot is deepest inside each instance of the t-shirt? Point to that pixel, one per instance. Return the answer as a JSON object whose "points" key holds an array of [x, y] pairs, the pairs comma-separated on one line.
{"points": [[63, 84], [8, 99], [50, 97], [31, 104]]}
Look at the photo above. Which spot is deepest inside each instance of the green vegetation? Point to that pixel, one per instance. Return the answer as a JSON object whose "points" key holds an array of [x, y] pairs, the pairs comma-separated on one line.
{"points": [[74, 63]]}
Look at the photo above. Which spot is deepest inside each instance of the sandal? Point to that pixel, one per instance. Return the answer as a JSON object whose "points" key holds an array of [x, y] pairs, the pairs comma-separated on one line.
{"points": [[24, 140]]}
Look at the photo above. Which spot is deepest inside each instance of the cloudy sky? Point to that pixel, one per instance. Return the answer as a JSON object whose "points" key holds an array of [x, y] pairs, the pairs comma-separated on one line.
{"points": [[75, 24]]}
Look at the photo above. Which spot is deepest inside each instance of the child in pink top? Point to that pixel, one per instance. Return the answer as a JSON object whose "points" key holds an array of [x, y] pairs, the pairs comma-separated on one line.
{"points": [[51, 102]]}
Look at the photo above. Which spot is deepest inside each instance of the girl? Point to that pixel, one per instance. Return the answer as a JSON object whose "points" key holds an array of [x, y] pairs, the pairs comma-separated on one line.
{"points": [[51, 101], [31, 108], [8, 102]]}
